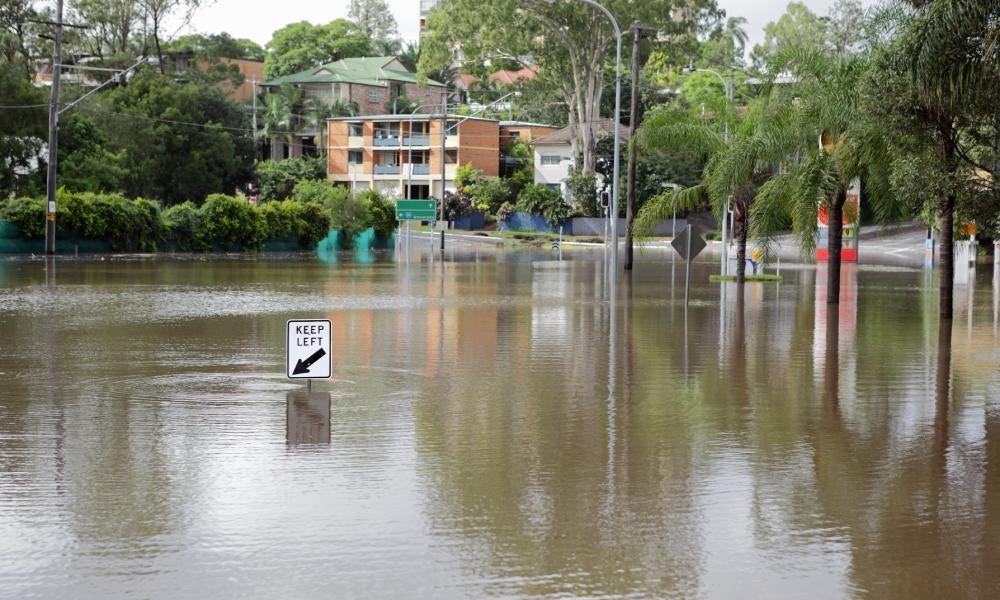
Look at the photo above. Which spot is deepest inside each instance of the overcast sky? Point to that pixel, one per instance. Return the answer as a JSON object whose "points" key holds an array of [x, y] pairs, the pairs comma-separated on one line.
{"points": [[257, 19]]}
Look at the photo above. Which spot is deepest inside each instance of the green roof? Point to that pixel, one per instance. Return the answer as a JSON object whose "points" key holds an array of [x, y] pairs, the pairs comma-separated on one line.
{"points": [[366, 70]]}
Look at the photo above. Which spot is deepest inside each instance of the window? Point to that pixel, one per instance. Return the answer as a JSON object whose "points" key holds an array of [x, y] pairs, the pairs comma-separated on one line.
{"points": [[355, 129], [515, 135], [450, 157], [355, 157], [373, 95], [551, 159]]}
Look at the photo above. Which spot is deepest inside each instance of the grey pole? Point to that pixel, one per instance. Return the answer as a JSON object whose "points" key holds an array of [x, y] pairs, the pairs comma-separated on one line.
{"points": [[687, 272], [618, 112], [444, 133], [50, 211]]}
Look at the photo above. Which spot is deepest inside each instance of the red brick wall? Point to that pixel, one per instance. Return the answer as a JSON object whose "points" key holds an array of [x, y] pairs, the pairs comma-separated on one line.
{"points": [[479, 144], [359, 94], [337, 140]]}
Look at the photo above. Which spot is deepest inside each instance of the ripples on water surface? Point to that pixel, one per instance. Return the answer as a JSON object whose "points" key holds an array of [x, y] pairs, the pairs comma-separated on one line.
{"points": [[497, 428]]}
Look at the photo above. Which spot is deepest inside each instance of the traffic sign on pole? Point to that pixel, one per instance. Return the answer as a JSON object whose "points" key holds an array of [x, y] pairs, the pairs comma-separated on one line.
{"points": [[416, 210], [308, 349]]}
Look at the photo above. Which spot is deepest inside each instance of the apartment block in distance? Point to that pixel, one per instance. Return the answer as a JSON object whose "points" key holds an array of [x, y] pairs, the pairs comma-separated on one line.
{"points": [[385, 152]]}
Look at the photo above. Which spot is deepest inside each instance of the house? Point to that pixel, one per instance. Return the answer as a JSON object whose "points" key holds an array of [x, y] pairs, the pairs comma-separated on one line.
{"points": [[513, 131], [554, 154], [400, 155], [371, 85]]}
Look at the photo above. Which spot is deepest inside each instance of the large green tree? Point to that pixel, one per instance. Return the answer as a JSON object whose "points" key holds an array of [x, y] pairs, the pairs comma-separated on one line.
{"points": [[111, 25], [218, 45], [177, 141], [935, 86], [23, 126], [374, 18], [571, 41], [302, 45]]}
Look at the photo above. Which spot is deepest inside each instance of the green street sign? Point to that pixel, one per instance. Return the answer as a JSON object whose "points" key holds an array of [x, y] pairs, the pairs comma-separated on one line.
{"points": [[416, 210]]}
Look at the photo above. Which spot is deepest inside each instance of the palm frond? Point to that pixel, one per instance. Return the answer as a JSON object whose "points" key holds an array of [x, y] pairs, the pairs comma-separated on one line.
{"points": [[664, 206]]}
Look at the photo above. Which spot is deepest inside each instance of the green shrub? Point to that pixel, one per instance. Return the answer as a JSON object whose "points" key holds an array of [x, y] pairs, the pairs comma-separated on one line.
{"points": [[28, 214], [582, 186], [381, 213], [308, 222], [457, 205], [182, 226], [277, 179], [540, 200], [491, 193], [320, 191], [232, 223], [349, 217], [313, 226]]}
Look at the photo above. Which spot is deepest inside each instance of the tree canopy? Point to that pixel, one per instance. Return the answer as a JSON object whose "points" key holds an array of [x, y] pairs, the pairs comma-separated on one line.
{"points": [[299, 46]]}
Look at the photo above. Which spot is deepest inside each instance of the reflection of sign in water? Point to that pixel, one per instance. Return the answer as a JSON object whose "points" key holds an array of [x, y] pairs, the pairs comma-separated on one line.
{"points": [[849, 235], [307, 418], [307, 349]]}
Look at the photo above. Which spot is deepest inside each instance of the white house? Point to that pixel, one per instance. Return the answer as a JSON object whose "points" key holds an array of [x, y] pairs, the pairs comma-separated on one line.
{"points": [[554, 155]]}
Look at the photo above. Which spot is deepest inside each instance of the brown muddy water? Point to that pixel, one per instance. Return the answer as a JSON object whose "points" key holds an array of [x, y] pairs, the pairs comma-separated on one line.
{"points": [[500, 425]]}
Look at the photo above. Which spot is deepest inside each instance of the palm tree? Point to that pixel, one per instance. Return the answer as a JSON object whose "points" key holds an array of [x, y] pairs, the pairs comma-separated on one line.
{"points": [[279, 113], [838, 145], [762, 137], [953, 49]]}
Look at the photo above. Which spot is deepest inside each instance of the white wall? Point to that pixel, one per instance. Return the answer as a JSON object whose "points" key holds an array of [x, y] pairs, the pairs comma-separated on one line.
{"points": [[553, 174]]}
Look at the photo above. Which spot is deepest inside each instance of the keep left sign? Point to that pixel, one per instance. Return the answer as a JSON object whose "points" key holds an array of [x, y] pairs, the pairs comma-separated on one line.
{"points": [[307, 349]]}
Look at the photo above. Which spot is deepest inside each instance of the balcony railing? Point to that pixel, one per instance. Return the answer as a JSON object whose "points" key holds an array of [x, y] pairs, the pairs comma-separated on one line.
{"points": [[421, 169], [386, 140], [417, 140], [387, 169]]}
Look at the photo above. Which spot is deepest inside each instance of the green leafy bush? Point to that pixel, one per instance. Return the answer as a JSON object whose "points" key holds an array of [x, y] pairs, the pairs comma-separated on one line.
{"points": [[232, 222], [540, 200], [26, 213], [182, 226], [381, 213], [582, 187], [277, 179], [307, 221], [490, 193]]}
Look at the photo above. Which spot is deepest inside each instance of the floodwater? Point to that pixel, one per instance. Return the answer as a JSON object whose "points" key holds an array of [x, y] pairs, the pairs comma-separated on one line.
{"points": [[496, 427]]}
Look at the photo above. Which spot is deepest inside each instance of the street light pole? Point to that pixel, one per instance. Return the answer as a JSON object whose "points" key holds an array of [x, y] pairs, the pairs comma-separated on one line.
{"points": [[618, 112]]}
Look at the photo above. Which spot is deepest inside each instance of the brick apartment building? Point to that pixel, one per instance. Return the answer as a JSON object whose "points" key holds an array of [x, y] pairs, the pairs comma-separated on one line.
{"points": [[384, 152], [372, 84]]}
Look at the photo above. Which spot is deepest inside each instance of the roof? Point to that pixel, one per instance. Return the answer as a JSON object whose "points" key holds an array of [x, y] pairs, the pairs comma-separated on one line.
{"points": [[366, 70], [526, 124], [511, 77], [407, 116], [605, 128]]}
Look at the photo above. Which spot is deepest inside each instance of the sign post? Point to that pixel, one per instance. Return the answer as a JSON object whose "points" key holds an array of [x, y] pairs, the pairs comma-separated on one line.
{"points": [[308, 349], [689, 245]]}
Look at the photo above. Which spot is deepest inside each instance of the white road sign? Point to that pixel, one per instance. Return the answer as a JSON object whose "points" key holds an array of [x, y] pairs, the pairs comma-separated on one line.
{"points": [[307, 349]]}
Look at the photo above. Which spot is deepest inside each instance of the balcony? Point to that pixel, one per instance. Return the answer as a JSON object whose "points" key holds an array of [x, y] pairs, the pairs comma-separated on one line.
{"points": [[421, 169], [386, 140], [417, 140], [386, 169]]}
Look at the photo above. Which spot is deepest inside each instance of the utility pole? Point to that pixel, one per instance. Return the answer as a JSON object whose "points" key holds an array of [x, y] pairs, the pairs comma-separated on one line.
{"points": [[50, 214], [638, 32], [444, 128], [254, 117]]}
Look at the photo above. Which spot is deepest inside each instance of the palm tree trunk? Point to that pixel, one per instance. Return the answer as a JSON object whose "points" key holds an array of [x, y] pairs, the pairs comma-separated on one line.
{"points": [[836, 242], [947, 220], [741, 222]]}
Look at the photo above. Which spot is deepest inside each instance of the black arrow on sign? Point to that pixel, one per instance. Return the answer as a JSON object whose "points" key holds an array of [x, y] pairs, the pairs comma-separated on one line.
{"points": [[303, 365]]}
